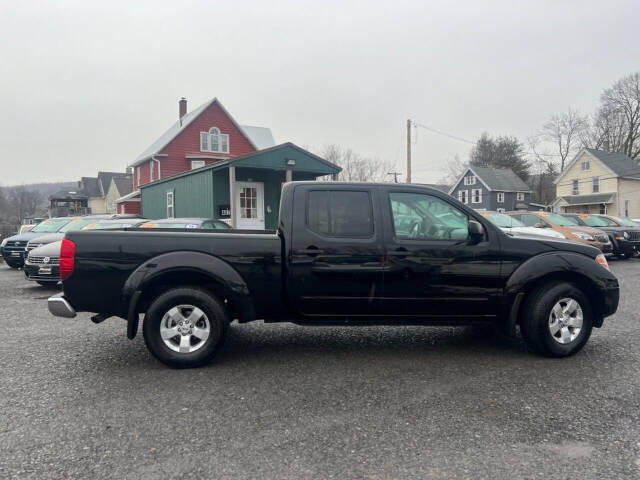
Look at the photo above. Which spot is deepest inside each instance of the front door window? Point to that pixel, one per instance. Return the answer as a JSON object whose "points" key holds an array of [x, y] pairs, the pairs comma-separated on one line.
{"points": [[250, 205]]}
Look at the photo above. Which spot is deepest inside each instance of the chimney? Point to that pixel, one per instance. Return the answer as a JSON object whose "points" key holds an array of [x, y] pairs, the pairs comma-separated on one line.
{"points": [[182, 107]]}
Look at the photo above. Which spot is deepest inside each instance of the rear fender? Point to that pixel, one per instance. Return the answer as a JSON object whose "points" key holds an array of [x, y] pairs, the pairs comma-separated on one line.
{"points": [[164, 265]]}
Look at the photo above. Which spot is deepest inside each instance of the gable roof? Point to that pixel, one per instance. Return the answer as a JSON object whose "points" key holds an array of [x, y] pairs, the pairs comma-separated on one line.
{"points": [[124, 185], [618, 164], [255, 135], [91, 187], [586, 199], [104, 179], [500, 179]]}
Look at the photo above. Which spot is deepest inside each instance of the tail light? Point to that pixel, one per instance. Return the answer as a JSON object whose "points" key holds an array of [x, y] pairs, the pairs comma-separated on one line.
{"points": [[67, 254]]}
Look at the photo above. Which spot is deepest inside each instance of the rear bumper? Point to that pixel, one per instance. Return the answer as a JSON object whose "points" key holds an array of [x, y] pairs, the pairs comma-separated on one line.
{"points": [[60, 307], [32, 272]]}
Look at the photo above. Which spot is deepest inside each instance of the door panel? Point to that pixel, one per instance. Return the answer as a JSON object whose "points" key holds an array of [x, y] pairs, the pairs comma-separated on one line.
{"points": [[432, 270], [336, 260]]}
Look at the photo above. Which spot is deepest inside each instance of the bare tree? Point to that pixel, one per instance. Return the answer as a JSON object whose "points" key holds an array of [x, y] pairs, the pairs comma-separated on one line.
{"points": [[616, 125], [454, 168], [23, 202], [356, 168], [564, 132]]}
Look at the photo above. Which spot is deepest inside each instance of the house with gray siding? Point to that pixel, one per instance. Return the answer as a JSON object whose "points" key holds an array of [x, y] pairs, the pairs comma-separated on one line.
{"points": [[498, 189]]}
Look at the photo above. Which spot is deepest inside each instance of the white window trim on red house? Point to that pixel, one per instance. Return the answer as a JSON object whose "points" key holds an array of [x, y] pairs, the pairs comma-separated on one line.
{"points": [[214, 141]]}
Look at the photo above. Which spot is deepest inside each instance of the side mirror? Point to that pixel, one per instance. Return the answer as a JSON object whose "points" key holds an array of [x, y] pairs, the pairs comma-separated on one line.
{"points": [[476, 232], [539, 225]]}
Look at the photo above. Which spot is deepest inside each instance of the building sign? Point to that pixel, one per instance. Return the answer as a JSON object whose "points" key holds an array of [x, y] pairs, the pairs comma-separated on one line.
{"points": [[224, 211]]}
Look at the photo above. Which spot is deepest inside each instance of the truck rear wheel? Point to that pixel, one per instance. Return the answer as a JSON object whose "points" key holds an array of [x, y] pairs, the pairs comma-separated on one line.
{"points": [[185, 327], [557, 319]]}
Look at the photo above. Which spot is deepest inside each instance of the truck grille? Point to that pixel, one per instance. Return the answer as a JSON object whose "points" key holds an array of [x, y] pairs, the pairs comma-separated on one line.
{"points": [[602, 238], [40, 260], [634, 235], [14, 246], [31, 246]]}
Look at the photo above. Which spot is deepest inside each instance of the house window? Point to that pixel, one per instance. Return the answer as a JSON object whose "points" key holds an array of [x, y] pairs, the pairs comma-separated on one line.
{"points": [[476, 195], [585, 166], [170, 208], [603, 209], [574, 187], [214, 141], [137, 176], [151, 176], [520, 196], [596, 184], [463, 196], [470, 180], [197, 164], [626, 208], [500, 197]]}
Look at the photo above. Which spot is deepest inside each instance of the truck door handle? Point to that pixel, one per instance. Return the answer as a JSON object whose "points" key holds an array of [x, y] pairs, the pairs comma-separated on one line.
{"points": [[311, 250]]}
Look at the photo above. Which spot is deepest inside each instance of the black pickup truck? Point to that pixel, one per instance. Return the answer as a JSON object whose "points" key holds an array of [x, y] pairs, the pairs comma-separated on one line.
{"points": [[343, 254]]}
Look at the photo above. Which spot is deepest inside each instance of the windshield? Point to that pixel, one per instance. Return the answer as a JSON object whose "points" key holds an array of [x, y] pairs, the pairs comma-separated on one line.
{"points": [[169, 225], [559, 220], [104, 226], [627, 222], [502, 220], [50, 225], [77, 224], [592, 221]]}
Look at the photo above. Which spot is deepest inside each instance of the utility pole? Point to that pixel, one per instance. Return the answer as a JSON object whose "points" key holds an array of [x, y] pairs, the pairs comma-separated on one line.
{"points": [[408, 151], [395, 176]]}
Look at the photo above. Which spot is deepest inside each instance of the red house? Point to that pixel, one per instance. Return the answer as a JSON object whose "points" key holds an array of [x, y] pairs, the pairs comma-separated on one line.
{"points": [[206, 135]]}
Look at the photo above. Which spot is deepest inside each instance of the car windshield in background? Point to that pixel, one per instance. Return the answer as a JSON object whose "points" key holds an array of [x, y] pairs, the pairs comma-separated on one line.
{"points": [[559, 220], [105, 226], [169, 225], [626, 222], [592, 221], [502, 220], [50, 225], [77, 224]]}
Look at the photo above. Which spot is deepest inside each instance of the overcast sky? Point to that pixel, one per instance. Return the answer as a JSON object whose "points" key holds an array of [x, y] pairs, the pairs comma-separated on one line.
{"points": [[86, 86]]}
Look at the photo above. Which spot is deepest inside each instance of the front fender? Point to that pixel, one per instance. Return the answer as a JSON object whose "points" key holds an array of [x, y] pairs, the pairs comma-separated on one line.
{"points": [[564, 264], [211, 266]]}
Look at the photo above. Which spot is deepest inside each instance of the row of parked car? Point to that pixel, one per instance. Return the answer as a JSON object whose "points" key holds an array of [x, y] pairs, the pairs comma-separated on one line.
{"points": [[613, 235], [37, 250]]}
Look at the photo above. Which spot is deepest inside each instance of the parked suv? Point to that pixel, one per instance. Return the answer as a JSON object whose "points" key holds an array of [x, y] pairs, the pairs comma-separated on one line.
{"points": [[13, 249], [623, 234], [569, 228]]}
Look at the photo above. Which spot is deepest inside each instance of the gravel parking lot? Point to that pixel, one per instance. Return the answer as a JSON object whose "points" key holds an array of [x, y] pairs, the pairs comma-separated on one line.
{"points": [[78, 400]]}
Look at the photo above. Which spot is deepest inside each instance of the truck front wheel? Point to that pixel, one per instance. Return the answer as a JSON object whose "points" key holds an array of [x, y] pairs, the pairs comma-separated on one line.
{"points": [[557, 319], [185, 327]]}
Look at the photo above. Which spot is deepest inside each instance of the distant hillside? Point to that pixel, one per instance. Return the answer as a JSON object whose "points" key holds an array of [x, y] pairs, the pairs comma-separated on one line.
{"points": [[46, 189]]}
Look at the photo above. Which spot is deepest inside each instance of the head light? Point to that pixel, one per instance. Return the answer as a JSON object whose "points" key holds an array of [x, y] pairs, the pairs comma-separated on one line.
{"points": [[626, 235], [4, 242], [583, 236]]}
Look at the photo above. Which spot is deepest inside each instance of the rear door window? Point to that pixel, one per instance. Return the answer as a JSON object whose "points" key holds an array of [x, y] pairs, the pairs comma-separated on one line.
{"points": [[531, 220], [340, 213]]}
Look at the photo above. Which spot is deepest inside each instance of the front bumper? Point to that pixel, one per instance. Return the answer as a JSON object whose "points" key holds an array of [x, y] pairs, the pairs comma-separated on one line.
{"points": [[13, 257], [35, 273], [610, 300], [60, 307]]}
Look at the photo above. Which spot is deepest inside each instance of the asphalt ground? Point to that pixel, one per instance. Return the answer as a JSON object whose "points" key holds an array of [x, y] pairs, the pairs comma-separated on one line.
{"points": [[79, 400]]}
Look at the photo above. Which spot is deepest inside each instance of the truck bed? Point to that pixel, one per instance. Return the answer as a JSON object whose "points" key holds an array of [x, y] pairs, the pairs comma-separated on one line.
{"points": [[113, 256]]}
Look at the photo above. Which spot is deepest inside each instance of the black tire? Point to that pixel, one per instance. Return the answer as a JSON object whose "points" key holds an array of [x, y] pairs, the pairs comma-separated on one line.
{"points": [[205, 301], [536, 312]]}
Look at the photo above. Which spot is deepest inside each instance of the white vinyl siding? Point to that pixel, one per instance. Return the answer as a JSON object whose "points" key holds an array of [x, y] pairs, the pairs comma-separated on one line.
{"points": [[476, 195]]}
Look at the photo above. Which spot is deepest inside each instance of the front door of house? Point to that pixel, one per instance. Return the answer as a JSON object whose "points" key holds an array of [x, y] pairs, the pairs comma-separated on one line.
{"points": [[249, 205]]}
